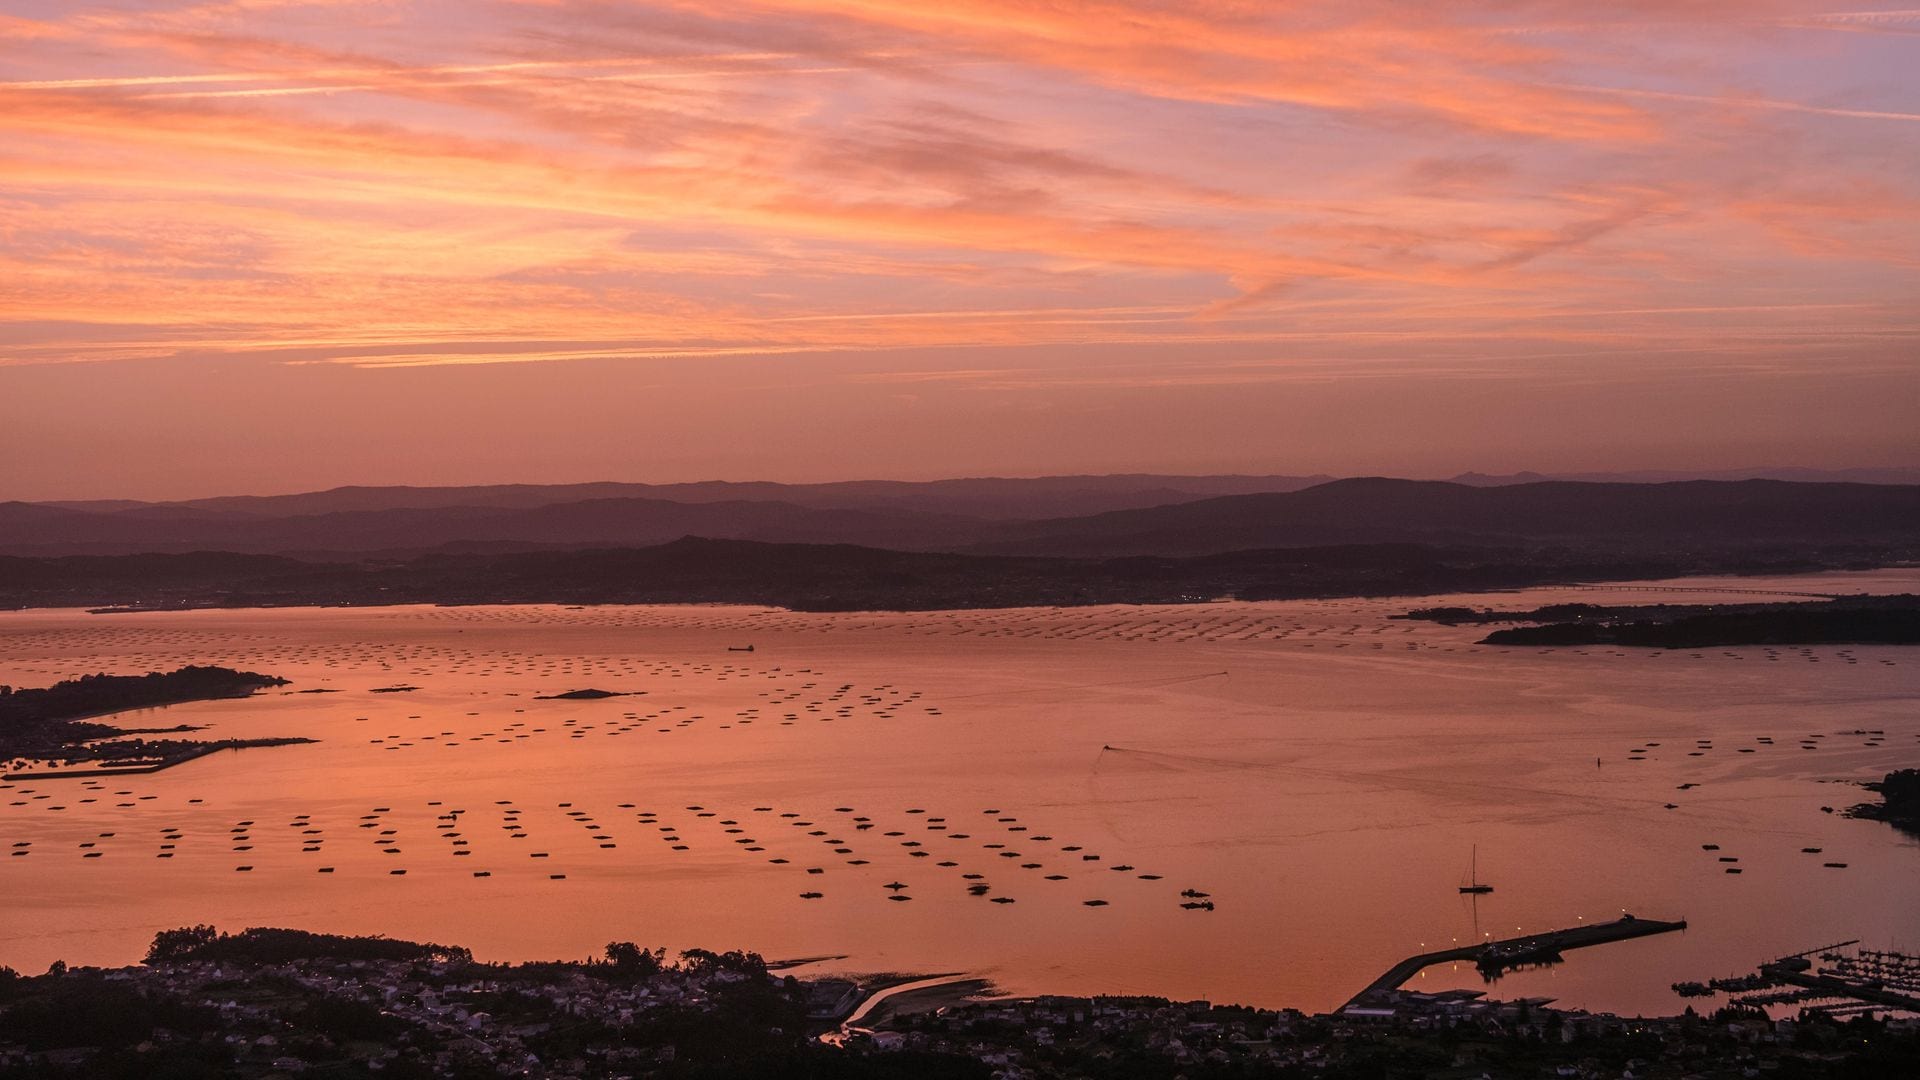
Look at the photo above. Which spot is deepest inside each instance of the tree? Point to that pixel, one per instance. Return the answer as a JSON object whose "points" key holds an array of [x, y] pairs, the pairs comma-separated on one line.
{"points": [[174, 945], [737, 961], [632, 959]]}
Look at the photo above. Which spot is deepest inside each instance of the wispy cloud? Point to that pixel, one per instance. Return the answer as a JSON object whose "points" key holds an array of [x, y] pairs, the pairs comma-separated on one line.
{"points": [[1739, 101], [326, 181]]}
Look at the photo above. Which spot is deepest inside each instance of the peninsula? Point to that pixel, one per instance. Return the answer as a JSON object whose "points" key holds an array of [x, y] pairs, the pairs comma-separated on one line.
{"points": [[1899, 804], [49, 733], [1840, 620]]}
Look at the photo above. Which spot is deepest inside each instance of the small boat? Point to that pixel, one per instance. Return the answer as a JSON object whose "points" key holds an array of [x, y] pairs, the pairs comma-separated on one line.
{"points": [[1094, 903], [1193, 894], [1473, 876], [1198, 905], [739, 648], [894, 885], [811, 895]]}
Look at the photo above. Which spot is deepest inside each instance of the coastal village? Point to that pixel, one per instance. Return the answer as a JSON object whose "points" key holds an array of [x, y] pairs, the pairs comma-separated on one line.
{"points": [[286, 1004]]}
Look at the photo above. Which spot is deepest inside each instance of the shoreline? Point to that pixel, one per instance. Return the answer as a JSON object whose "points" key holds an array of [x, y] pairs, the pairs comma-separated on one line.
{"points": [[142, 770], [1584, 583]]}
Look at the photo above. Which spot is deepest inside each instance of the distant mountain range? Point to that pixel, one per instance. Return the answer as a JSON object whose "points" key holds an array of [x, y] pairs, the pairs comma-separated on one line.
{"points": [[983, 497], [1668, 476], [1078, 516], [1611, 517]]}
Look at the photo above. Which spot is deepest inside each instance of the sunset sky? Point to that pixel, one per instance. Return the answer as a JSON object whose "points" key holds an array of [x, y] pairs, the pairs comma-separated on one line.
{"points": [[268, 245]]}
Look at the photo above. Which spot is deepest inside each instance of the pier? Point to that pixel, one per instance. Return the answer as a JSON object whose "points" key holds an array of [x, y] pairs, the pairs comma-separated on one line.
{"points": [[1513, 952]]}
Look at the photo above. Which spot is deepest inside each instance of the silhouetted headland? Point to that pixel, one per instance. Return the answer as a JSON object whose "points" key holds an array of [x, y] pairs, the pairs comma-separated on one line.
{"points": [[1848, 620], [49, 726], [1899, 803]]}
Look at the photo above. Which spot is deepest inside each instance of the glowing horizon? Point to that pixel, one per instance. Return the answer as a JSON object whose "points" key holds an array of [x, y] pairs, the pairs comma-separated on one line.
{"points": [[284, 244]]}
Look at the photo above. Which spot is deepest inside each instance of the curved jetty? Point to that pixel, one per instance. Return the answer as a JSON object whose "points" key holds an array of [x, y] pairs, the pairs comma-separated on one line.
{"points": [[1513, 952]]}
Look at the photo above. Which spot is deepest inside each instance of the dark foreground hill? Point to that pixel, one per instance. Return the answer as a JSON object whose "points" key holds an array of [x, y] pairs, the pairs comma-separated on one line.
{"points": [[819, 577]]}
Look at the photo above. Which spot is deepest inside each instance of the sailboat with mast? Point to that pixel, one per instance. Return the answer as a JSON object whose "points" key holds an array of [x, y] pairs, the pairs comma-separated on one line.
{"points": [[1473, 884]]}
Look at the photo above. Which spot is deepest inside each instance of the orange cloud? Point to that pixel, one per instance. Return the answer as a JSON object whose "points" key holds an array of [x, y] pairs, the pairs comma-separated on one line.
{"points": [[574, 180]]}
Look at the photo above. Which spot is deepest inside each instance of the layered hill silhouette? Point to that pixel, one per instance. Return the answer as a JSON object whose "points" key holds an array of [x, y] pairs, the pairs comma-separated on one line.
{"points": [[591, 522], [1566, 513], [1142, 515], [983, 497], [882, 513], [816, 577]]}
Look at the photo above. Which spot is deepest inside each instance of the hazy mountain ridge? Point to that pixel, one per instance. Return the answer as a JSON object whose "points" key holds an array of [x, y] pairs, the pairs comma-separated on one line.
{"points": [[986, 497], [592, 522], [1887, 475], [1612, 518], [1379, 510]]}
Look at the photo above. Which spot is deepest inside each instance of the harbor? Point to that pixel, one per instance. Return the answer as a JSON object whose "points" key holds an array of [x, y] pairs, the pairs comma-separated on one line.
{"points": [[1829, 980]]}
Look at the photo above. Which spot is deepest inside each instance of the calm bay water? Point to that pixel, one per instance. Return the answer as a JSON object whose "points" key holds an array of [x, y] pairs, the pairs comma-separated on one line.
{"points": [[1320, 770]]}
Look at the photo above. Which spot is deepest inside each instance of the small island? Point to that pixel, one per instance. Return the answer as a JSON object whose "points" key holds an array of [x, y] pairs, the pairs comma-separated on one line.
{"points": [[587, 695], [1844, 620], [50, 734]]}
